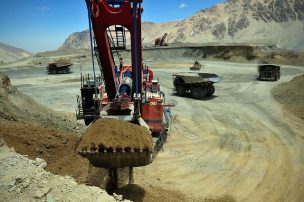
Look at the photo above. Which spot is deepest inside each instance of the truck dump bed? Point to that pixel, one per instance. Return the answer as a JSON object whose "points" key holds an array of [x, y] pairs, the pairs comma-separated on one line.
{"points": [[61, 63], [196, 77], [59, 66]]}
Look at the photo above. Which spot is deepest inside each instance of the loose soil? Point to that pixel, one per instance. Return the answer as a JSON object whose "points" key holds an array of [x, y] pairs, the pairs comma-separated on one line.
{"points": [[291, 95], [57, 149], [16, 106], [22, 179], [115, 134]]}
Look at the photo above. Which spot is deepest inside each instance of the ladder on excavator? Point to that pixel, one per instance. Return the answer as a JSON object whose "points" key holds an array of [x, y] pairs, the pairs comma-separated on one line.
{"points": [[117, 37]]}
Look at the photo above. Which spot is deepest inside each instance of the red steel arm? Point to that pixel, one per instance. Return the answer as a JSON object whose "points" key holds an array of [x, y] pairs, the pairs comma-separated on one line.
{"points": [[104, 16]]}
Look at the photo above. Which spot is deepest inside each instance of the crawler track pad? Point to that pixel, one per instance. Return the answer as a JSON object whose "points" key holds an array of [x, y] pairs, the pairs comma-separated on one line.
{"points": [[118, 159]]}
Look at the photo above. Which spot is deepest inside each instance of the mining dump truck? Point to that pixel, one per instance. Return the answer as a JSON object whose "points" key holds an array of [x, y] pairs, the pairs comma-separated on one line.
{"points": [[196, 66], [197, 84], [60, 66], [269, 72]]}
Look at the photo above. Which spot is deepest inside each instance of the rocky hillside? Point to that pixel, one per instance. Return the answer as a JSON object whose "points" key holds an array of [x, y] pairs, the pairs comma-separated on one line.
{"points": [[9, 53], [77, 40], [270, 22]]}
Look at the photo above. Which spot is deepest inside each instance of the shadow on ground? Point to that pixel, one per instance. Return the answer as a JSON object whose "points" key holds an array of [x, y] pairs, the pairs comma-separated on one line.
{"points": [[132, 192]]}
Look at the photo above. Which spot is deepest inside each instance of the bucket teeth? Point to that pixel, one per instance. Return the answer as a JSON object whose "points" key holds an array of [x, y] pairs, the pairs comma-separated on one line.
{"points": [[114, 150], [118, 157]]}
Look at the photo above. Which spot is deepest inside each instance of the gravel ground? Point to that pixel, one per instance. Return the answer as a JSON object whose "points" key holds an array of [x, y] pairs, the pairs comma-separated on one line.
{"points": [[22, 179], [239, 145]]}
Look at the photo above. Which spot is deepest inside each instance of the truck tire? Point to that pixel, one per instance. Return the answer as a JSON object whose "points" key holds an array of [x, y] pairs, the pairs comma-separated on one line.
{"points": [[180, 90], [205, 90], [197, 93], [212, 89]]}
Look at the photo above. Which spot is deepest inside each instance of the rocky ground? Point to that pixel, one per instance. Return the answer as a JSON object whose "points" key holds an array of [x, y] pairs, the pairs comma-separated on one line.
{"points": [[22, 179], [16, 106]]}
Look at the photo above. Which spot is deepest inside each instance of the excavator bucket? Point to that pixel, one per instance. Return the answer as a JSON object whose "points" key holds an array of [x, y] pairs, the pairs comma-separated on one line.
{"points": [[111, 143]]}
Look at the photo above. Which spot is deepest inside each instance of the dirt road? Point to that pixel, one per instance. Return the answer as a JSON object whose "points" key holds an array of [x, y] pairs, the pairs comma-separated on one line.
{"points": [[240, 144]]}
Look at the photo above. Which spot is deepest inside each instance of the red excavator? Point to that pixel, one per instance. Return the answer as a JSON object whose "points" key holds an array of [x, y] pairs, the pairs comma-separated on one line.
{"points": [[129, 94]]}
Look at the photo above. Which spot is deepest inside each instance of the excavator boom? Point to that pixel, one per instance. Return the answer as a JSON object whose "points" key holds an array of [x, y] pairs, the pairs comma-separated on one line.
{"points": [[129, 120]]}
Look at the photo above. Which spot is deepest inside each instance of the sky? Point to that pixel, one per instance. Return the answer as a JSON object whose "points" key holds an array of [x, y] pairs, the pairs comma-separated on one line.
{"points": [[41, 25]]}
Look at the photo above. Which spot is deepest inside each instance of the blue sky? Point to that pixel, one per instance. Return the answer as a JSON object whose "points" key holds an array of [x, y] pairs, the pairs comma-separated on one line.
{"points": [[40, 25]]}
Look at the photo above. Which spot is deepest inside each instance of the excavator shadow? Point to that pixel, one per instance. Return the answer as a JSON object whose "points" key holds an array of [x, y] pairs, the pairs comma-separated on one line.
{"points": [[188, 96], [131, 192]]}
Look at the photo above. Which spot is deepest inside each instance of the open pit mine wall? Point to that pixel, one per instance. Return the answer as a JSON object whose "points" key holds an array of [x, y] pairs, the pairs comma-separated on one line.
{"points": [[227, 52]]}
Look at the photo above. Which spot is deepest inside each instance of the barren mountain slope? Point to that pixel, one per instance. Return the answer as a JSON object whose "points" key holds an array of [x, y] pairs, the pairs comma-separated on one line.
{"points": [[9, 53], [274, 22]]}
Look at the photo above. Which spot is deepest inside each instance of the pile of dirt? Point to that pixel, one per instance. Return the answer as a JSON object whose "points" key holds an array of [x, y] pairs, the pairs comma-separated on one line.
{"points": [[115, 134], [16, 106], [291, 95], [61, 62], [58, 149]]}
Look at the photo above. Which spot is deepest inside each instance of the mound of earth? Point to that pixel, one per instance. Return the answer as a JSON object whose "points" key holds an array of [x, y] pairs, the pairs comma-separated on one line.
{"points": [[22, 179], [291, 95], [57, 148], [115, 134], [61, 62]]}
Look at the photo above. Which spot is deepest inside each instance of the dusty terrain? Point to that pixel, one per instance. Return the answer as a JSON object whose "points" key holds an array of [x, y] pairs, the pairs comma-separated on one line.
{"points": [[239, 145], [291, 95], [26, 180], [241, 142]]}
